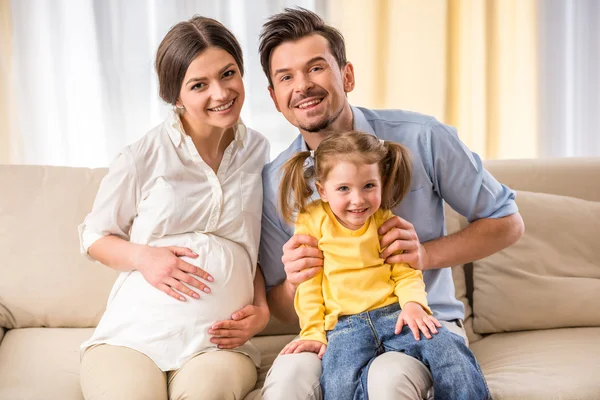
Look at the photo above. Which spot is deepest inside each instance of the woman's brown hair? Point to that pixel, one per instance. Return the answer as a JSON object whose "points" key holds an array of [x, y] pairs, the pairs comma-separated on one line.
{"points": [[182, 44], [393, 159]]}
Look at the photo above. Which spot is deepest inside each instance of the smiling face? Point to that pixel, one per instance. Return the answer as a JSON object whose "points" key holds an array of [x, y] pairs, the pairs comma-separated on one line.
{"points": [[212, 92], [309, 88], [353, 191]]}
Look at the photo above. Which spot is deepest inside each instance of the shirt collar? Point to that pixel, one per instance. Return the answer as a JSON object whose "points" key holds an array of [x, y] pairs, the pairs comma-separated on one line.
{"points": [[177, 133], [359, 121]]}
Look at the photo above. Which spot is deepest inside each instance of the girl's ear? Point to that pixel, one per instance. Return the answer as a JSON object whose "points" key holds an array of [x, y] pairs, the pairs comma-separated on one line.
{"points": [[321, 191]]}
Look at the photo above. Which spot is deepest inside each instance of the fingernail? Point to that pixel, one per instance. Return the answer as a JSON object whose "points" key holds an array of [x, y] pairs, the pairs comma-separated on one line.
{"points": [[196, 295], [182, 298], [196, 254], [206, 290], [210, 279]]}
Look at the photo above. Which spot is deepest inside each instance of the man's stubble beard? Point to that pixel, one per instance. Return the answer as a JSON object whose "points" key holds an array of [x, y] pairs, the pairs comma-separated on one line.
{"points": [[323, 125]]}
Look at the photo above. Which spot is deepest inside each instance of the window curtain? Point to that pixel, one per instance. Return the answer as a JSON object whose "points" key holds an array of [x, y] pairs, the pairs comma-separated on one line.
{"points": [[470, 63], [84, 78], [569, 78], [7, 128]]}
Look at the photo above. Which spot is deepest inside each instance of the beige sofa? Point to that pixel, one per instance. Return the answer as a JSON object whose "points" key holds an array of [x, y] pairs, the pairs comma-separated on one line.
{"points": [[534, 324]]}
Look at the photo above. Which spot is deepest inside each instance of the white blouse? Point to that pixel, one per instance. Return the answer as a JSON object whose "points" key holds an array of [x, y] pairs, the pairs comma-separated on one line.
{"points": [[160, 192]]}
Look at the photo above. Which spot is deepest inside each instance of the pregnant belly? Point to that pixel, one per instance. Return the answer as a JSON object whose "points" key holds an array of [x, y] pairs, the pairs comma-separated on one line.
{"points": [[231, 290]]}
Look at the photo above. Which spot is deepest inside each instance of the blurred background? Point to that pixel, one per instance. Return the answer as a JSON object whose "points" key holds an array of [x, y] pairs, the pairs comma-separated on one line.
{"points": [[518, 78]]}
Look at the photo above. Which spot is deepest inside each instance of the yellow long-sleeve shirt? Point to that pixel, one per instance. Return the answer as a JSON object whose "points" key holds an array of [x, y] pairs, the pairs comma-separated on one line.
{"points": [[354, 278]]}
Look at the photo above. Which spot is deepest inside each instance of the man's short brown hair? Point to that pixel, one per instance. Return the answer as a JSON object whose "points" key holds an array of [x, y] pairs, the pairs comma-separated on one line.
{"points": [[182, 44], [293, 24]]}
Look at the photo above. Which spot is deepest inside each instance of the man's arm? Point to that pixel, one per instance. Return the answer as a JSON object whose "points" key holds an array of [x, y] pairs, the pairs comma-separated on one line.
{"points": [[458, 176], [286, 260], [281, 302], [302, 260], [477, 240]]}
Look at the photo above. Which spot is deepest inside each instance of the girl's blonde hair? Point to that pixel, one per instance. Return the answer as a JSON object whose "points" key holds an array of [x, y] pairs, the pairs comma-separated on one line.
{"points": [[362, 148]]}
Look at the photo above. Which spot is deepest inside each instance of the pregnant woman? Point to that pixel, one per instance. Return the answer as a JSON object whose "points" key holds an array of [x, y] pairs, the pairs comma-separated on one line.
{"points": [[178, 214]]}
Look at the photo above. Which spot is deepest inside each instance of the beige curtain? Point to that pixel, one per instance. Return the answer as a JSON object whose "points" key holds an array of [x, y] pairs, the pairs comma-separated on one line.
{"points": [[7, 124], [470, 63]]}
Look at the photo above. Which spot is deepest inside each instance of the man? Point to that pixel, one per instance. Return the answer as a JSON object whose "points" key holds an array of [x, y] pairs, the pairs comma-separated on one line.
{"points": [[305, 62]]}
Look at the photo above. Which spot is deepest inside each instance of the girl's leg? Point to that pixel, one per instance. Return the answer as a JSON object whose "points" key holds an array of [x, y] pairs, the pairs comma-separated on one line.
{"points": [[115, 373], [351, 346], [219, 375], [455, 371], [395, 375]]}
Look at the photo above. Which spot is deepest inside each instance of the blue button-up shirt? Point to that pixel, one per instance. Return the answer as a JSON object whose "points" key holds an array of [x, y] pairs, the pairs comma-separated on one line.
{"points": [[444, 169]]}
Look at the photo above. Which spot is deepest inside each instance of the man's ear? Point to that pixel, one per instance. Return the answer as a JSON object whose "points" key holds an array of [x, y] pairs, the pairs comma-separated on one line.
{"points": [[348, 77], [321, 191], [272, 94]]}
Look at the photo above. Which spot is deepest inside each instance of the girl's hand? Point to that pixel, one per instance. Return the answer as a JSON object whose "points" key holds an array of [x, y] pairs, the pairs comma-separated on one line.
{"points": [[244, 325], [163, 269], [300, 346], [417, 319]]}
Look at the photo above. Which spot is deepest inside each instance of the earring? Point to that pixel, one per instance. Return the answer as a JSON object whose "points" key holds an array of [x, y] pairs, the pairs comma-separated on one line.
{"points": [[180, 107]]}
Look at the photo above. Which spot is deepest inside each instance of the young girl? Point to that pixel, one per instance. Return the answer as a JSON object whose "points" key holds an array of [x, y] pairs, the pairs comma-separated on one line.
{"points": [[359, 307]]}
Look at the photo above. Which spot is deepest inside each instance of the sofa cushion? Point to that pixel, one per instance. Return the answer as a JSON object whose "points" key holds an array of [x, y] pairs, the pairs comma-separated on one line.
{"points": [[45, 281], [551, 277], [454, 223], [41, 363], [277, 327], [541, 365]]}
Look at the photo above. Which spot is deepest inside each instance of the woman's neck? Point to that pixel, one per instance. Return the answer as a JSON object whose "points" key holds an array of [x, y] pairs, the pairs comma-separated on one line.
{"points": [[210, 141]]}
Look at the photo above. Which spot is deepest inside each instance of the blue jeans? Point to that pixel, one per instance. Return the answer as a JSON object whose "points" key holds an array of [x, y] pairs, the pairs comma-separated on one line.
{"points": [[357, 339]]}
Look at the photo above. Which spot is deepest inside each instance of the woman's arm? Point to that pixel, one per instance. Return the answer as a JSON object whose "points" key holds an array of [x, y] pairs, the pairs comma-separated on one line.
{"points": [[160, 266], [104, 235], [245, 323]]}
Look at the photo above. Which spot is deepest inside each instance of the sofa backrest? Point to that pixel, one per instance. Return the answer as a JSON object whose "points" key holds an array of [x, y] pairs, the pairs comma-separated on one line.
{"points": [[578, 178], [44, 281], [574, 177]]}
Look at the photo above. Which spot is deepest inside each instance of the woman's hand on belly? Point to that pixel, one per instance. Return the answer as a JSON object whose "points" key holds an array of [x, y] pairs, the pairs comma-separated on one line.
{"points": [[244, 325], [163, 269]]}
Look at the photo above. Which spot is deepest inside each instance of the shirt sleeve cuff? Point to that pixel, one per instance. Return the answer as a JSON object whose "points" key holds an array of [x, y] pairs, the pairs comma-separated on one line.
{"points": [[316, 336], [507, 209], [86, 239], [420, 301]]}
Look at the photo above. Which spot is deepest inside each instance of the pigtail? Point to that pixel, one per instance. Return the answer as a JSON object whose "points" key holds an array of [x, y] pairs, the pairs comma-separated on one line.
{"points": [[397, 170], [294, 188]]}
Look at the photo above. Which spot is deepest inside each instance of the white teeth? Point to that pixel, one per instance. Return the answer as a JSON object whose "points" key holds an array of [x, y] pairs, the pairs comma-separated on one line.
{"points": [[309, 103], [223, 107]]}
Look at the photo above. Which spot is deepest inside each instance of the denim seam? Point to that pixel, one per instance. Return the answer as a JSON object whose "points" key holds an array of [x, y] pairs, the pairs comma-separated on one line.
{"points": [[373, 331]]}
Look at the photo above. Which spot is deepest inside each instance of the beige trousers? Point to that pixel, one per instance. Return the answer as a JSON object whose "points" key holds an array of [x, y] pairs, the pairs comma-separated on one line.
{"points": [[392, 375], [120, 373]]}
